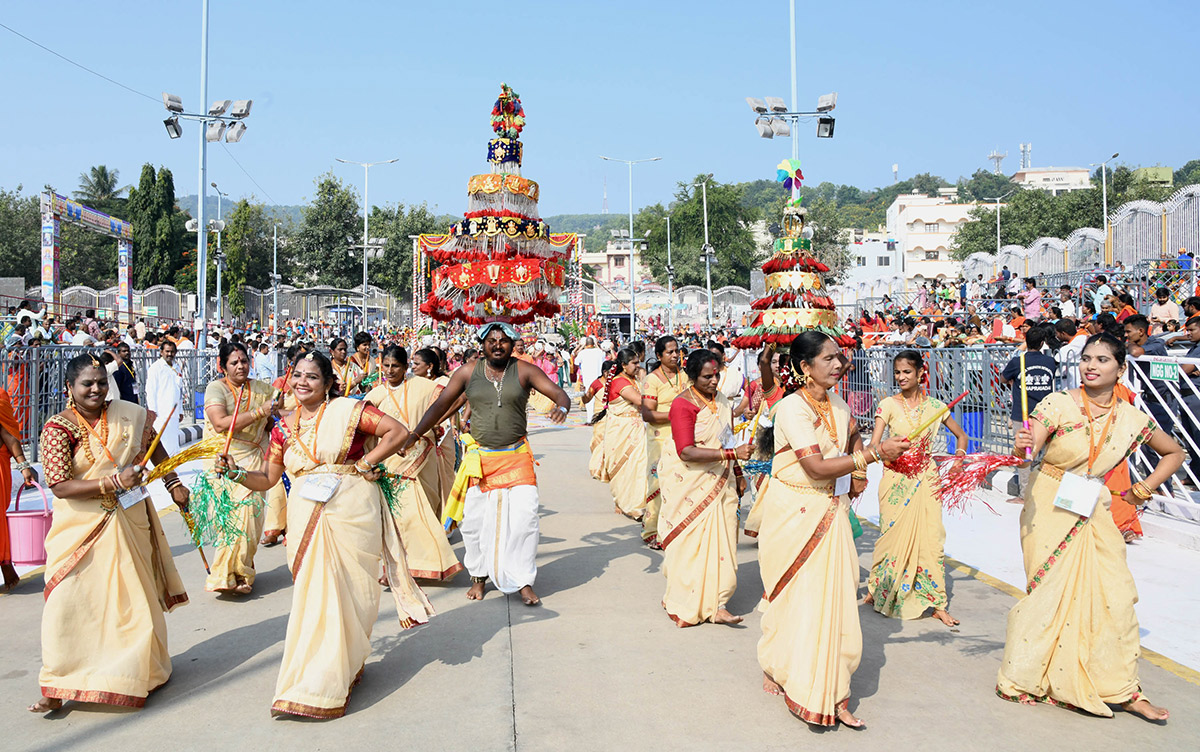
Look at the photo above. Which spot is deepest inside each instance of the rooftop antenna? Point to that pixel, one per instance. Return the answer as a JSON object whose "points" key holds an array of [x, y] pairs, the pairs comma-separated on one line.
{"points": [[605, 209], [1026, 156], [895, 172], [997, 157]]}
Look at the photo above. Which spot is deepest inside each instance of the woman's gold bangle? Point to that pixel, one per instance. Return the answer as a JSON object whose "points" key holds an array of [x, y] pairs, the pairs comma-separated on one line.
{"points": [[1141, 491], [858, 475]]}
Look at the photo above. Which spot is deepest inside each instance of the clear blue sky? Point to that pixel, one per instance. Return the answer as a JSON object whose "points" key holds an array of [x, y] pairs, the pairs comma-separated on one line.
{"points": [[933, 86]]}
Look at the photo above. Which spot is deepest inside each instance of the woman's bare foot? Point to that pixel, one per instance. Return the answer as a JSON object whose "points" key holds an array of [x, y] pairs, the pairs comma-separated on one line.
{"points": [[1015, 500], [944, 617], [1130, 536], [1142, 707], [383, 580], [45, 705], [272, 538], [475, 592], [770, 686], [844, 716], [242, 588], [724, 617], [528, 597], [11, 578], [869, 600]]}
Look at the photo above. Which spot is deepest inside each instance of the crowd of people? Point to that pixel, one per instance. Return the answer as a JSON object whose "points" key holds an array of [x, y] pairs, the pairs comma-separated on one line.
{"points": [[386, 443]]}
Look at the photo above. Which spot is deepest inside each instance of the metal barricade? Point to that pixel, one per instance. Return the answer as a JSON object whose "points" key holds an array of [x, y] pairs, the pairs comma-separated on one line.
{"points": [[1172, 397], [36, 377]]}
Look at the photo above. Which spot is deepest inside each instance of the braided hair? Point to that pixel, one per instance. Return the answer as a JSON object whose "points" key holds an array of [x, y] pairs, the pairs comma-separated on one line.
{"points": [[626, 355]]}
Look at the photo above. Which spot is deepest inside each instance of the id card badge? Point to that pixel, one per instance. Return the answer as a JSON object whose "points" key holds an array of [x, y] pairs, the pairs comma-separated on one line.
{"points": [[319, 487], [1078, 494], [728, 441], [128, 498], [841, 486]]}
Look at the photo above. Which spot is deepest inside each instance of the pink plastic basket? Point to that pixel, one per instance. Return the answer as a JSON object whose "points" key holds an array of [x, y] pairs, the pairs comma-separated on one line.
{"points": [[27, 529]]}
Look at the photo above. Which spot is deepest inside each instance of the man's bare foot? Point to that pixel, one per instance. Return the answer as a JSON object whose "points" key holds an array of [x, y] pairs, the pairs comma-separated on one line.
{"points": [[1142, 707], [724, 617], [770, 686], [45, 705], [11, 578], [869, 600], [528, 597], [944, 617], [846, 717], [475, 592]]}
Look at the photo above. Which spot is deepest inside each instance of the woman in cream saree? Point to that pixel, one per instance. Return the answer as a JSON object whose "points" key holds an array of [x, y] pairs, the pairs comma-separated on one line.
{"points": [[1073, 639], [812, 642], [233, 564], [908, 570], [425, 545], [625, 439], [700, 482], [341, 528], [427, 364], [109, 572]]}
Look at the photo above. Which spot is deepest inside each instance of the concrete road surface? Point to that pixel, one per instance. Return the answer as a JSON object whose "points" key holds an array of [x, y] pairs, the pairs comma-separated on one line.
{"points": [[598, 666]]}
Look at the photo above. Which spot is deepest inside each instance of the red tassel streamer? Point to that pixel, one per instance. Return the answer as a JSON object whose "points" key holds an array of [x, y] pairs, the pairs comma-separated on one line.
{"points": [[957, 488]]}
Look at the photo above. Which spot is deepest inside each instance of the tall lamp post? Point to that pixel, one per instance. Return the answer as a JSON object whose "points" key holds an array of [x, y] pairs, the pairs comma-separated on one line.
{"points": [[275, 275], [708, 249], [366, 212], [670, 282], [1104, 198], [997, 200], [632, 268], [220, 256], [216, 125]]}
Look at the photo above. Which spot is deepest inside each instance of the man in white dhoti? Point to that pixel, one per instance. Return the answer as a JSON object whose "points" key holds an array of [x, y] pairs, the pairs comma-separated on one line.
{"points": [[496, 480], [164, 393]]}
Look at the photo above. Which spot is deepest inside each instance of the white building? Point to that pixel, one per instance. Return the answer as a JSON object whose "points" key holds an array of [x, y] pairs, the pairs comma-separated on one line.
{"points": [[872, 255], [611, 266], [1054, 180], [923, 229]]}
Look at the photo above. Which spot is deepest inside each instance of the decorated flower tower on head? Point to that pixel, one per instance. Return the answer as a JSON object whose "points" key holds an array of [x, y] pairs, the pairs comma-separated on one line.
{"points": [[500, 263], [795, 299]]}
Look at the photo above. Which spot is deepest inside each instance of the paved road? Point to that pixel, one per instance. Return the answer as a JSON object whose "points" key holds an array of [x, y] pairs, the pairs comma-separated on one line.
{"points": [[597, 667]]}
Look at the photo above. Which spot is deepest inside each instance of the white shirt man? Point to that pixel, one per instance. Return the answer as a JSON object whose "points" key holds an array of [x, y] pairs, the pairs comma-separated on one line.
{"points": [[81, 338], [1014, 285], [1066, 304], [164, 395], [264, 364], [588, 361], [975, 289]]}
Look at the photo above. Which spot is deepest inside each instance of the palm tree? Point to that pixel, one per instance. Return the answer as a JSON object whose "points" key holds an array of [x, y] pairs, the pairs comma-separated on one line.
{"points": [[99, 185]]}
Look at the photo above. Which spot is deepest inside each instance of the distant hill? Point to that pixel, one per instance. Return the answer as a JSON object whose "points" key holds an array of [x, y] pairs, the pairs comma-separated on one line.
{"points": [[595, 226], [285, 213]]}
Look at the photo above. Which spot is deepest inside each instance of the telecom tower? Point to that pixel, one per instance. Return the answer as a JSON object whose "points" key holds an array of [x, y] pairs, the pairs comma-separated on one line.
{"points": [[1026, 156], [895, 172], [605, 209], [997, 157]]}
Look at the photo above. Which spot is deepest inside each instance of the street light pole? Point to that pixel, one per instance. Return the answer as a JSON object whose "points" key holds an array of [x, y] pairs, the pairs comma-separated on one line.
{"points": [[220, 255], [202, 225], [275, 275], [997, 200], [366, 213], [632, 269], [670, 282]]}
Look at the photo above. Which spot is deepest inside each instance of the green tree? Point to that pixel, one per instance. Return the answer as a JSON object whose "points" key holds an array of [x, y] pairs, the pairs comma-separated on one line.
{"points": [[1189, 174], [99, 185], [158, 230], [248, 243], [393, 270], [984, 185], [330, 228], [729, 221], [20, 236]]}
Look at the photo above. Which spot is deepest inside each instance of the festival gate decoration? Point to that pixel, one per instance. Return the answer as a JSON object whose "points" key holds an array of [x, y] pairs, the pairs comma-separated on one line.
{"points": [[795, 299], [501, 262]]}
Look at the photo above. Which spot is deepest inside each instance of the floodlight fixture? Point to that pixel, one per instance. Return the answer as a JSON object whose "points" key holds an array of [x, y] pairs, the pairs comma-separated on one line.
{"points": [[216, 225], [780, 127], [173, 128], [827, 102], [756, 104], [234, 133], [172, 102], [776, 104], [214, 131], [764, 127], [241, 108], [218, 107], [191, 225], [825, 127]]}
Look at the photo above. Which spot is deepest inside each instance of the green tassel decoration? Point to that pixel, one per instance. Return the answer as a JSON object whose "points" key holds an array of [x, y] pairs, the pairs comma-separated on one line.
{"points": [[217, 513], [392, 486]]}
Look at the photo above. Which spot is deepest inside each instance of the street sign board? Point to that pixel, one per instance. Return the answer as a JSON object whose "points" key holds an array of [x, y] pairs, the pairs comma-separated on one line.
{"points": [[1164, 371]]}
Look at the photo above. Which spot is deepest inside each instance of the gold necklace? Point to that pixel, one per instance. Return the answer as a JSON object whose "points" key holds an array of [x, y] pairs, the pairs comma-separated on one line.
{"points": [[824, 411]]}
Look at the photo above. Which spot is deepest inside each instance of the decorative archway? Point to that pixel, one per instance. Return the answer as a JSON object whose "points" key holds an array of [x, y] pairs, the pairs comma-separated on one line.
{"points": [[55, 209]]}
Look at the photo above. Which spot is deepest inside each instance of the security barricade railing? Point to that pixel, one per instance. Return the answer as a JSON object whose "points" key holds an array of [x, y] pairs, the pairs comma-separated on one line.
{"points": [[1166, 391], [35, 378]]}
